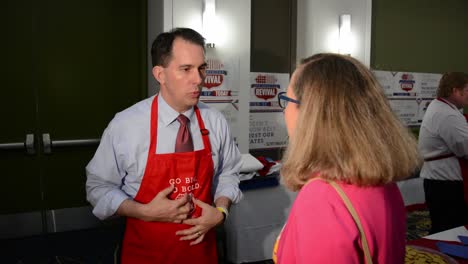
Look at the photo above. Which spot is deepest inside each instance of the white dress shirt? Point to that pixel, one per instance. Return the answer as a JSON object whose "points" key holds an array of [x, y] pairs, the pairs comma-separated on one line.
{"points": [[444, 130], [117, 168]]}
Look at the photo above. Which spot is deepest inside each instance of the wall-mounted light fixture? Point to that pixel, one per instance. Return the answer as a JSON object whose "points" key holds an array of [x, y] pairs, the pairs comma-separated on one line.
{"points": [[344, 40], [209, 22]]}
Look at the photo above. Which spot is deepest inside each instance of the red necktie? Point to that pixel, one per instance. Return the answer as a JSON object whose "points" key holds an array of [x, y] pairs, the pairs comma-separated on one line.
{"points": [[184, 139]]}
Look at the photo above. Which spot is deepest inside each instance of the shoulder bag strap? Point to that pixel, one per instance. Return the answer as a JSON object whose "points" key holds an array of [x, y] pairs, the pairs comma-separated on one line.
{"points": [[349, 205]]}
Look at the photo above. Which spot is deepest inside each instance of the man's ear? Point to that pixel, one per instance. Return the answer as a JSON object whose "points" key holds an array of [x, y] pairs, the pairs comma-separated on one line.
{"points": [[158, 74]]}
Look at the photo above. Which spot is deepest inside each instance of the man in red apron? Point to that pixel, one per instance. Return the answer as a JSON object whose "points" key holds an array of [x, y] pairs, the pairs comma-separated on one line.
{"points": [[172, 215], [443, 143]]}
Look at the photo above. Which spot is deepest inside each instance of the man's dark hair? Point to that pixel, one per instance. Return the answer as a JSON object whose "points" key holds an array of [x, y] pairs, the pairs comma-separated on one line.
{"points": [[451, 80], [161, 50]]}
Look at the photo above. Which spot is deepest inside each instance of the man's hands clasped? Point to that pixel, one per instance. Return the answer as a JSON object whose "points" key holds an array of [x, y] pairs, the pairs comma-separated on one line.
{"points": [[163, 209], [209, 218]]}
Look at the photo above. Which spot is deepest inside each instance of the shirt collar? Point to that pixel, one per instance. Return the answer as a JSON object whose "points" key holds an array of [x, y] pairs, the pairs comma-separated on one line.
{"points": [[168, 115], [445, 100]]}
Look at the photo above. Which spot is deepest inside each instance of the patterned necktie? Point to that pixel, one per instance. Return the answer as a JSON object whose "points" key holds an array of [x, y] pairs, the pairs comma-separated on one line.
{"points": [[184, 139]]}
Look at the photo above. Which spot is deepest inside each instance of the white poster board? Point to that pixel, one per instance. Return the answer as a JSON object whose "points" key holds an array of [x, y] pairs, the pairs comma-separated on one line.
{"points": [[409, 93], [266, 127], [219, 90]]}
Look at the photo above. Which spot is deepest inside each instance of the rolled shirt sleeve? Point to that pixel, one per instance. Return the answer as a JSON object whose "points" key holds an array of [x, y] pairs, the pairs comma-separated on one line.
{"points": [[104, 178]]}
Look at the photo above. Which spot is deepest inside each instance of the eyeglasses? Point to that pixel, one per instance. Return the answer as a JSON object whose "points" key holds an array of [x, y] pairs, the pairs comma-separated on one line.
{"points": [[283, 100]]}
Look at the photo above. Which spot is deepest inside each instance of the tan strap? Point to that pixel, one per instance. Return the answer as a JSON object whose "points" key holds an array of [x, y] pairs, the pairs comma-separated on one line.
{"points": [[352, 211], [349, 205]]}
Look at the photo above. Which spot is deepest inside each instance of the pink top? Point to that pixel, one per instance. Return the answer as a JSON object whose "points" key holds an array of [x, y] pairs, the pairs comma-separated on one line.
{"points": [[320, 228]]}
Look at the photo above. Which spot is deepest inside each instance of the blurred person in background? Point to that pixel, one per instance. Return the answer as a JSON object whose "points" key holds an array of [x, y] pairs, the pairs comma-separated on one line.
{"points": [[443, 143]]}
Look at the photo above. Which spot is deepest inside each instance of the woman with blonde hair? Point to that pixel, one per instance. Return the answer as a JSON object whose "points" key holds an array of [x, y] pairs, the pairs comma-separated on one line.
{"points": [[345, 152]]}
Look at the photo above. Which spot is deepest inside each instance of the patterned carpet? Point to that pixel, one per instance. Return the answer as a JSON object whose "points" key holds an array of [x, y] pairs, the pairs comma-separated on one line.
{"points": [[418, 224]]}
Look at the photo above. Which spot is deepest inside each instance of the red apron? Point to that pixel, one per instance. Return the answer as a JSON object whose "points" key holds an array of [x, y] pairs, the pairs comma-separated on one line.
{"points": [[190, 172], [462, 161]]}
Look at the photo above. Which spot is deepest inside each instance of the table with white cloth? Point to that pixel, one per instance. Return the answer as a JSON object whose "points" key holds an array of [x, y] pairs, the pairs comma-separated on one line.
{"points": [[255, 222], [412, 191]]}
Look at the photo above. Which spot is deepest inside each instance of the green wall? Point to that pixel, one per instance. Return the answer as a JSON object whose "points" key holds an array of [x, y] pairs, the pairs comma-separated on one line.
{"points": [[273, 36], [420, 36], [273, 44]]}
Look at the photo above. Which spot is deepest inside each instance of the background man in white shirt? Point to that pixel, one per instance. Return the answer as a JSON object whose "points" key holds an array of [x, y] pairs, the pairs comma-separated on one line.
{"points": [[172, 199], [443, 143]]}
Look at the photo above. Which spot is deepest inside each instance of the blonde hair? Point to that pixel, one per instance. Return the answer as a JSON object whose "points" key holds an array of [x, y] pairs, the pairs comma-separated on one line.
{"points": [[345, 129]]}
